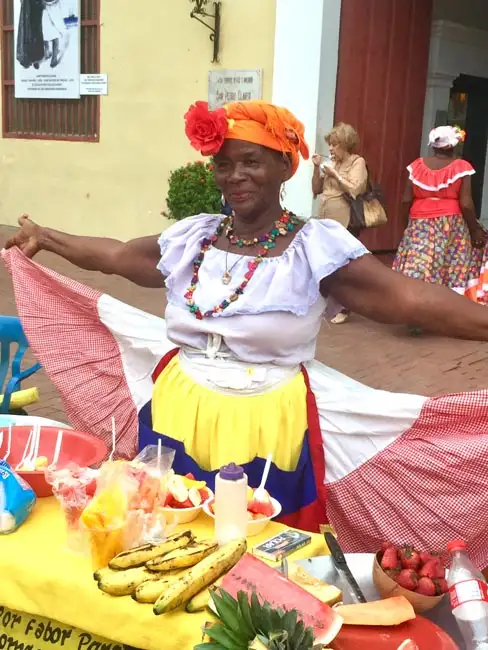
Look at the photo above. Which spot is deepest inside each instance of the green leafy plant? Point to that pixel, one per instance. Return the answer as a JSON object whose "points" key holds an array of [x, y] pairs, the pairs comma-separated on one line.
{"points": [[245, 623], [192, 190]]}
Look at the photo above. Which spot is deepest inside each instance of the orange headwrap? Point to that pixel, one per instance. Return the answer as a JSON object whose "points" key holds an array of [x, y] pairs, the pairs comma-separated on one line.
{"points": [[268, 125], [252, 121]]}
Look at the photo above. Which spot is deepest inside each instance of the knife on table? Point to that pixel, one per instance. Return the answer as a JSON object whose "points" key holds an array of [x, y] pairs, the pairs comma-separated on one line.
{"points": [[342, 568]]}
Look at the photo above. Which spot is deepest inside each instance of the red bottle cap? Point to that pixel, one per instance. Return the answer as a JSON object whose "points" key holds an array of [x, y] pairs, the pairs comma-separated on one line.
{"points": [[456, 545]]}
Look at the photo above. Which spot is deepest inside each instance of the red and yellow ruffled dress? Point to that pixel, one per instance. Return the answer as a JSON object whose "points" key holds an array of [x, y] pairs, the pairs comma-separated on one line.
{"points": [[436, 246]]}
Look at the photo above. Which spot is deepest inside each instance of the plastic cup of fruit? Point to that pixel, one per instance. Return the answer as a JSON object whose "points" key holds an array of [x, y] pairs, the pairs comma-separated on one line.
{"points": [[254, 526], [177, 516]]}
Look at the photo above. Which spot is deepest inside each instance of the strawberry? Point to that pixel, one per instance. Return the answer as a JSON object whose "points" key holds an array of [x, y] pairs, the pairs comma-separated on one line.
{"points": [[190, 476], [392, 573], [385, 545], [432, 569], [389, 559], [409, 558], [441, 586], [426, 587], [185, 504], [407, 579], [425, 557]]}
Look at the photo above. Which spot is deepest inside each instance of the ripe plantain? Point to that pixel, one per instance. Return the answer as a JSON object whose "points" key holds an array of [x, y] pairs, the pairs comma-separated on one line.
{"points": [[141, 554], [199, 602], [101, 573], [183, 557], [124, 583], [200, 576], [150, 590]]}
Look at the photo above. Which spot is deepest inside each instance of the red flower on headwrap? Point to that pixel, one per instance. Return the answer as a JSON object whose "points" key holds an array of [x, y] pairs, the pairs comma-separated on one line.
{"points": [[206, 129]]}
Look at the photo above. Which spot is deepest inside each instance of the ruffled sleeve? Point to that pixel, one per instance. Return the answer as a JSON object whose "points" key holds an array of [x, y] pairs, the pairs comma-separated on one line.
{"points": [[433, 180], [329, 247], [182, 238]]}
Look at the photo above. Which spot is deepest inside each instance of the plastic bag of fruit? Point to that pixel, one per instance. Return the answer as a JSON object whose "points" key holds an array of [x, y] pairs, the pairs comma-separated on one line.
{"points": [[74, 487], [151, 469], [16, 499], [105, 519]]}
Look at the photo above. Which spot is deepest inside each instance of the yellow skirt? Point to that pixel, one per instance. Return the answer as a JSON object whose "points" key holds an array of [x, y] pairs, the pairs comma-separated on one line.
{"points": [[217, 428]]}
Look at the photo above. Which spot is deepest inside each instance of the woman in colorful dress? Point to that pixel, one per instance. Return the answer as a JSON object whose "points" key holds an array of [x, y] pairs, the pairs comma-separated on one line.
{"points": [[442, 227], [346, 173], [232, 363]]}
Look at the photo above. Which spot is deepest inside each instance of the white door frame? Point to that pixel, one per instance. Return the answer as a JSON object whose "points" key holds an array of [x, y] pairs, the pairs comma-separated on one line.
{"points": [[454, 50], [306, 57]]}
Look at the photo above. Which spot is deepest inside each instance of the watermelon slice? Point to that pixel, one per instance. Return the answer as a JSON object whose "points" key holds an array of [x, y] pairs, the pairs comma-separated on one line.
{"points": [[251, 574]]}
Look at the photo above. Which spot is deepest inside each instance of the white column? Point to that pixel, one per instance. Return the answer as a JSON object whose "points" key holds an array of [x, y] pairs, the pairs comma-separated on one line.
{"points": [[304, 79]]}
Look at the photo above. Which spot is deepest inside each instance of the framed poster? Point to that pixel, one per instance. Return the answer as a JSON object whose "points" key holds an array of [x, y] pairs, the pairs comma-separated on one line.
{"points": [[47, 49]]}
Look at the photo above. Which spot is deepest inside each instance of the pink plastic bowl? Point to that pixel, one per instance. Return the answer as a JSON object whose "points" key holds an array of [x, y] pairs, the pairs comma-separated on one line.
{"points": [[81, 448]]}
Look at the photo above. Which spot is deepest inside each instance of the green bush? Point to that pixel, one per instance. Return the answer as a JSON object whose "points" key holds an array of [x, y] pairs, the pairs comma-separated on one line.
{"points": [[192, 190]]}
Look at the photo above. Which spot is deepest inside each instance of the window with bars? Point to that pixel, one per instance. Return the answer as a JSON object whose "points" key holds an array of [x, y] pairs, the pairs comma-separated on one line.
{"points": [[52, 119]]}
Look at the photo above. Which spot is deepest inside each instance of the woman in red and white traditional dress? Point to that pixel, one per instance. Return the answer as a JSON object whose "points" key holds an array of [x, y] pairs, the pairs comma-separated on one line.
{"points": [[236, 379], [442, 235]]}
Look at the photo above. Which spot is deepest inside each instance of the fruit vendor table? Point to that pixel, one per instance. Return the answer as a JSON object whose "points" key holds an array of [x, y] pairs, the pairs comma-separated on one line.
{"points": [[49, 600]]}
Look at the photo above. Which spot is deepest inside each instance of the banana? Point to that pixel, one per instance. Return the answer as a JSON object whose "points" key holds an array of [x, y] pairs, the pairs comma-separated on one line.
{"points": [[124, 583], [101, 573], [200, 576], [138, 556], [199, 602], [182, 557], [150, 590]]}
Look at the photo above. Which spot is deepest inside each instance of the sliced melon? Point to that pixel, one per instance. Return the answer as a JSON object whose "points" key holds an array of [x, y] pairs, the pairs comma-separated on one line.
{"points": [[251, 574], [391, 611], [326, 593]]}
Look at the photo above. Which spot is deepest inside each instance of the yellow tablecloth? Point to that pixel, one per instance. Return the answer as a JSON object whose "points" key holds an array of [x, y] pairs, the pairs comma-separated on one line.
{"points": [[39, 576]]}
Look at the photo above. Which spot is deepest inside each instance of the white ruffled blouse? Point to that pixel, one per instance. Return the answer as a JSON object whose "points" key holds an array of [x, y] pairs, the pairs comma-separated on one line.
{"points": [[278, 317]]}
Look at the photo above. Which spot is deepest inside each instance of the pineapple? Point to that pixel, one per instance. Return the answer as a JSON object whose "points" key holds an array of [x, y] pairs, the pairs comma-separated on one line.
{"points": [[245, 625]]}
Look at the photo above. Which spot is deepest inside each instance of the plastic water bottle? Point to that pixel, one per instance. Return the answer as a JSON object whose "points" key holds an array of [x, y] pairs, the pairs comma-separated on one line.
{"points": [[468, 592], [230, 504]]}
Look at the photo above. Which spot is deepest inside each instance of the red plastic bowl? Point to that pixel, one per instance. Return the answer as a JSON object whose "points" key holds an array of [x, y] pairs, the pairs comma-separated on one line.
{"points": [[81, 448]]}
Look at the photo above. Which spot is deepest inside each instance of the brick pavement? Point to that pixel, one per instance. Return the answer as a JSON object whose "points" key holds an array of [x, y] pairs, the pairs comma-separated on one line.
{"points": [[379, 355]]}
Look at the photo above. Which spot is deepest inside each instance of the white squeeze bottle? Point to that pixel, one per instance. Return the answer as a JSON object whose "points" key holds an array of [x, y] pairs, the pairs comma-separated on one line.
{"points": [[230, 504], [468, 592]]}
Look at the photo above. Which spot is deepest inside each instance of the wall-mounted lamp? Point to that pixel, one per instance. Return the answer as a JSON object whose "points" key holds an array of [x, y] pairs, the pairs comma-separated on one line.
{"points": [[199, 13]]}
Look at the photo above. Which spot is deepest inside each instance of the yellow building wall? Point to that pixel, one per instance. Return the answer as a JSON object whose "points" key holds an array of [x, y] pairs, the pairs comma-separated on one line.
{"points": [[157, 60]]}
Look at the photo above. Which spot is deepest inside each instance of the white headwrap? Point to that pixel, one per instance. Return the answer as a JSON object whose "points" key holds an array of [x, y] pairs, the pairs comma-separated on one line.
{"points": [[446, 137]]}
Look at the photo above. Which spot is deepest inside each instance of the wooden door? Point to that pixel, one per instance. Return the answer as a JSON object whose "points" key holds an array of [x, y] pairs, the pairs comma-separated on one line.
{"points": [[381, 84], [476, 126]]}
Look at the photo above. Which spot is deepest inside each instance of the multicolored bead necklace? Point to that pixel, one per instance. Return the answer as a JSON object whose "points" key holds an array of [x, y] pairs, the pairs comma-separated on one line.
{"points": [[286, 224]]}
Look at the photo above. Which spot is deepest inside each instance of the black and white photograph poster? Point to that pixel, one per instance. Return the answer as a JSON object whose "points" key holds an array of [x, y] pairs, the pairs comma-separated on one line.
{"points": [[47, 49]]}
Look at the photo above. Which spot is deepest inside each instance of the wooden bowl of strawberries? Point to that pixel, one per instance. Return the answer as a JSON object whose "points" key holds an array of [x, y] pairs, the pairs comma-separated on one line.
{"points": [[404, 571]]}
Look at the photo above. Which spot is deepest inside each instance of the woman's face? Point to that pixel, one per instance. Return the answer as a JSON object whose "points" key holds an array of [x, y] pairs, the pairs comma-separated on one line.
{"points": [[250, 176], [337, 151]]}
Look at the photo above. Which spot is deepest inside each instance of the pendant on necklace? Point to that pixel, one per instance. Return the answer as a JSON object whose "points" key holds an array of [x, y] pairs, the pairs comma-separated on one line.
{"points": [[226, 278]]}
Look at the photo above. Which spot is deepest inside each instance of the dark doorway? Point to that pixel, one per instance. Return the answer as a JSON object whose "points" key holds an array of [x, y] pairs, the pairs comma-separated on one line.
{"points": [[469, 110]]}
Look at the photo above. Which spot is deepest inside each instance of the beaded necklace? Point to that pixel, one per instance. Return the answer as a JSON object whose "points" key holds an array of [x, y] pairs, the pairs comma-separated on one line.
{"points": [[286, 224]]}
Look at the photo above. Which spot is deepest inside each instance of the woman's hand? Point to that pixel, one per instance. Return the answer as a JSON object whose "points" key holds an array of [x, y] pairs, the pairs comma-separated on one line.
{"points": [[478, 236], [317, 159], [330, 171], [28, 238]]}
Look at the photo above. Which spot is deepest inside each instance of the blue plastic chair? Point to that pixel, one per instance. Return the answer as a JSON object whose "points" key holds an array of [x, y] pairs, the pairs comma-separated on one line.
{"points": [[11, 334]]}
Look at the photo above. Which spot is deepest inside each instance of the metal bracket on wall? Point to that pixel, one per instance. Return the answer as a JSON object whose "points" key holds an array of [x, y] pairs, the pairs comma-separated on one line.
{"points": [[198, 13]]}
